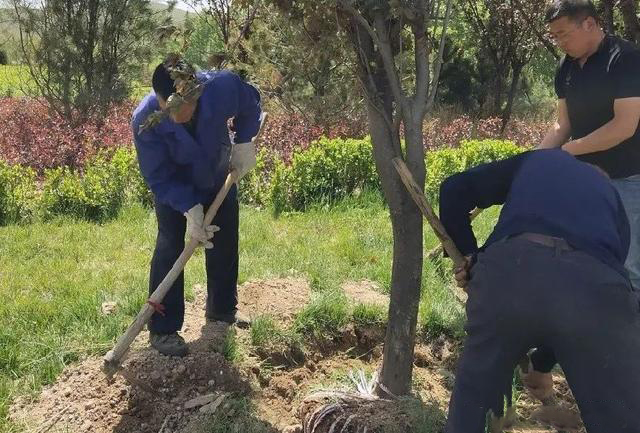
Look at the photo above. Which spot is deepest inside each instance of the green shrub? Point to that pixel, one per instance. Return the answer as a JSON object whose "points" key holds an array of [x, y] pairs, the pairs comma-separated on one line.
{"points": [[18, 193], [255, 187], [98, 193], [124, 163], [62, 193], [440, 165], [476, 152], [446, 162], [329, 170]]}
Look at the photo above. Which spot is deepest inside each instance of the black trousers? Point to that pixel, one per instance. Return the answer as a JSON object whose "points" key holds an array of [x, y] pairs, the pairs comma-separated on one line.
{"points": [[221, 263], [524, 295]]}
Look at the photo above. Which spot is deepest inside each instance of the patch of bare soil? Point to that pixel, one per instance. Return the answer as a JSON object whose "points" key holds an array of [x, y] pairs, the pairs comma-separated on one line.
{"points": [[365, 292], [158, 394], [281, 298]]}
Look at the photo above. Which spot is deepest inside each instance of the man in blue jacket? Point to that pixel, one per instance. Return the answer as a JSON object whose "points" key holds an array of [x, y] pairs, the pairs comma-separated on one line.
{"points": [[184, 160], [551, 274]]}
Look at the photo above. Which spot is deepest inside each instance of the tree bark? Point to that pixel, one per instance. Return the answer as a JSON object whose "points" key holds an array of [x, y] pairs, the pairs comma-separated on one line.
{"points": [[515, 81], [406, 274], [630, 18], [607, 16], [498, 90]]}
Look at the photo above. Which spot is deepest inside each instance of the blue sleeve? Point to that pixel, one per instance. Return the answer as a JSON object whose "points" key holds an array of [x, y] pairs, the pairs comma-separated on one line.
{"points": [[482, 186], [246, 120], [160, 173]]}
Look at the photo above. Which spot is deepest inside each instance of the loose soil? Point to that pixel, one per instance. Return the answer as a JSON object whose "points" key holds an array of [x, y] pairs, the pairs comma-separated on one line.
{"points": [[155, 393]]}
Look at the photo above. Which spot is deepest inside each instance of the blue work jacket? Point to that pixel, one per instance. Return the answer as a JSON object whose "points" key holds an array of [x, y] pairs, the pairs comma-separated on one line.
{"points": [[182, 170]]}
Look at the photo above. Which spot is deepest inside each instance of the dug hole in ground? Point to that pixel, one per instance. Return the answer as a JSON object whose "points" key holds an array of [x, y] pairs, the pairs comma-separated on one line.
{"points": [[260, 391]]}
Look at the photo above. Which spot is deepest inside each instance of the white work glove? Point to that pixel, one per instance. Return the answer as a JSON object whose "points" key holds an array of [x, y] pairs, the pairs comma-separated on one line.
{"points": [[243, 158], [196, 228]]}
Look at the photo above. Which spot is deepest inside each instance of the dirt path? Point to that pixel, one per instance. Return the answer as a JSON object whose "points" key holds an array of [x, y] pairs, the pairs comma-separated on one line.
{"points": [[158, 393]]}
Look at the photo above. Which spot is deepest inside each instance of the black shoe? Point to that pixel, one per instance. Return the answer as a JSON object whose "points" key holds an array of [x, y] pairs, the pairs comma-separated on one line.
{"points": [[231, 318], [169, 344]]}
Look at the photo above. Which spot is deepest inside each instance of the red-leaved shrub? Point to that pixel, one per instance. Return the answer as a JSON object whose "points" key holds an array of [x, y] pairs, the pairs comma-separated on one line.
{"points": [[439, 133], [34, 136], [285, 133]]}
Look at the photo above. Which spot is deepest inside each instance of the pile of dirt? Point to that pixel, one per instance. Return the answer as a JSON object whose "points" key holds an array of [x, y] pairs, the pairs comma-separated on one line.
{"points": [[154, 393]]}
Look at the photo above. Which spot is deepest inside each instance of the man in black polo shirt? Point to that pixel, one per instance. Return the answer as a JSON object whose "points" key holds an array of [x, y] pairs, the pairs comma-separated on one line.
{"points": [[551, 274], [598, 88]]}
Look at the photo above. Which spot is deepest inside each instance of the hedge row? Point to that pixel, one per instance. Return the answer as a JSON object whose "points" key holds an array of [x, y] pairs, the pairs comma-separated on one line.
{"points": [[330, 170], [97, 193], [327, 171]]}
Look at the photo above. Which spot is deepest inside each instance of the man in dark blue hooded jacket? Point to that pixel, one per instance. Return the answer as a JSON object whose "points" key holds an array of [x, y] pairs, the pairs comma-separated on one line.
{"points": [[184, 160]]}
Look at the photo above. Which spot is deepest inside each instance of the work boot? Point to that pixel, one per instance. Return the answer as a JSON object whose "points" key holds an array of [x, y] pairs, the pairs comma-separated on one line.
{"points": [[233, 317], [169, 344]]}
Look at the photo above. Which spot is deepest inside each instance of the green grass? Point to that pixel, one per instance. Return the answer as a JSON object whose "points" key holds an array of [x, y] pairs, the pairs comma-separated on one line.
{"points": [[266, 333], [230, 346], [15, 81], [54, 277], [370, 315], [325, 315]]}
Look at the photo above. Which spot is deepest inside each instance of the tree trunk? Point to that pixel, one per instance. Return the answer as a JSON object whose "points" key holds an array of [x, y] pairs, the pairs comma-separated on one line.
{"points": [[607, 16], [515, 80], [406, 221], [498, 90], [406, 274], [630, 17]]}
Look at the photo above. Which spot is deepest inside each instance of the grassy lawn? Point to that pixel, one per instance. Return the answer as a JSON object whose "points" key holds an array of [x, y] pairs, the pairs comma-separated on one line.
{"points": [[54, 277], [15, 81]]}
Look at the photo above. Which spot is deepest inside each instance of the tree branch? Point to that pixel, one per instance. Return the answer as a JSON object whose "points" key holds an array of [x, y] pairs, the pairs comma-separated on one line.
{"points": [[384, 47], [421, 54], [381, 40], [440, 59]]}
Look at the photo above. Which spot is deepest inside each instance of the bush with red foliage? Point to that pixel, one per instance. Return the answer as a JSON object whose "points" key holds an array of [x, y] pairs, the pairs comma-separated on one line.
{"points": [[286, 133], [32, 135], [440, 133]]}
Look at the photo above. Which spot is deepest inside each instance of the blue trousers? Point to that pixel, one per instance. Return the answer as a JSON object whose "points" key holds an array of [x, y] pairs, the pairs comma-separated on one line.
{"points": [[629, 190], [221, 263], [524, 295]]}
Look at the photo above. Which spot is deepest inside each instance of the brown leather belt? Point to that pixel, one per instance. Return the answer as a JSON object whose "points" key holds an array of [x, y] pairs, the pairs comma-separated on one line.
{"points": [[545, 240]]}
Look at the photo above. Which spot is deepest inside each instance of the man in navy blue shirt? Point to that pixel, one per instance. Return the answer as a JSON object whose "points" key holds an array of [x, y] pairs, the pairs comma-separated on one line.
{"points": [[551, 274], [185, 159]]}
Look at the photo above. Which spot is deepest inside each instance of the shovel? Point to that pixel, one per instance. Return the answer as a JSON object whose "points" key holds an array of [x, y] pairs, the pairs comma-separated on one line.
{"points": [[114, 356]]}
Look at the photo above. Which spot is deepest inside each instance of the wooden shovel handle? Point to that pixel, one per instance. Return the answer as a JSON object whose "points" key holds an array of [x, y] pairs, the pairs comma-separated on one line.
{"points": [[425, 207]]}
